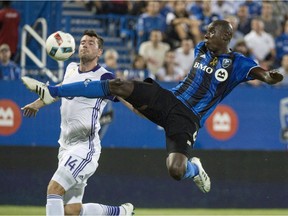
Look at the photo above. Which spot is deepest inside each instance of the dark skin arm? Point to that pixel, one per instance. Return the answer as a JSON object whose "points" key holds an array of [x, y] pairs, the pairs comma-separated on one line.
{"points": [[270, 77]]}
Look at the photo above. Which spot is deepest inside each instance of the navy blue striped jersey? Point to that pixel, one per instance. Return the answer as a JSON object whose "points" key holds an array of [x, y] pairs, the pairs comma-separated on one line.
{"points": [[211, 79]]}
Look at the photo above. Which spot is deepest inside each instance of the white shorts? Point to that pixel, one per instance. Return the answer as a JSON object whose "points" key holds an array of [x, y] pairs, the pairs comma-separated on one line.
{"points": [[73, 172]]}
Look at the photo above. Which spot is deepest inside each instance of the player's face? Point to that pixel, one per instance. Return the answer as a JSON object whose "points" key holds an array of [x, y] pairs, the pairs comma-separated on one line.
{"points": [[213, 38], [89, 49]]}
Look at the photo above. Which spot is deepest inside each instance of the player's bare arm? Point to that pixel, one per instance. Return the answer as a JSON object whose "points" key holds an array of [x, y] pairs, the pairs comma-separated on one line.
{"points": [[270, 77], [31, 110]]}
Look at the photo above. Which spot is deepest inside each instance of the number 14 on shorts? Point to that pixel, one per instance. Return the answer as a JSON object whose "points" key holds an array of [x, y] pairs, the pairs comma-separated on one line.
{"points": [[71, 162]]}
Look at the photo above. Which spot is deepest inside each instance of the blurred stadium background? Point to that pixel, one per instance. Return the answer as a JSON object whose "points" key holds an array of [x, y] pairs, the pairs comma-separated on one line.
{"points": [[241, 145]]}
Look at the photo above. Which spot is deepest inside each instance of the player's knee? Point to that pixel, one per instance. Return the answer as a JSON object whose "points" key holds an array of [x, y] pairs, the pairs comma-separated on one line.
{"points": [[116, 85], [122, 88], [176, 171], [55, 188], [72, 209]]}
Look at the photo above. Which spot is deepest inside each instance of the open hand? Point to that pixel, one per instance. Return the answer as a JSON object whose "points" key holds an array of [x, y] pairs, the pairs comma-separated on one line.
{"points": [[276, 76], [29, 111]]}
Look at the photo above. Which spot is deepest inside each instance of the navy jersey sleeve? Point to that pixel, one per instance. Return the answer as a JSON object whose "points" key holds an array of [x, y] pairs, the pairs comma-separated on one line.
{"points": [[243, 66], [109, 76]]}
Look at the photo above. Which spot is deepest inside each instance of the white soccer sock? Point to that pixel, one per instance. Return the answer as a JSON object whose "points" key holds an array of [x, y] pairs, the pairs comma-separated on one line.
{"points": [[54, 205], [99, 209]]}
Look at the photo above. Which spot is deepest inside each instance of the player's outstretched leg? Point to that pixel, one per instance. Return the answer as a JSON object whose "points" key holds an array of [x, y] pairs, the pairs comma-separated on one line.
{"points": [[202, 180], [91, 89]]}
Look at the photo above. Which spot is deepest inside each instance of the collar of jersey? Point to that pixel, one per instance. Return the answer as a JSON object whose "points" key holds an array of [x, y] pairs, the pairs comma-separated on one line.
{"points": [[221, 55], [93, 70]]}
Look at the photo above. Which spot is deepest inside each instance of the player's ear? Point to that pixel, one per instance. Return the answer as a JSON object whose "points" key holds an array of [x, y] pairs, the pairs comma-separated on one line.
{"points": [[227, 36], [100, 52]]}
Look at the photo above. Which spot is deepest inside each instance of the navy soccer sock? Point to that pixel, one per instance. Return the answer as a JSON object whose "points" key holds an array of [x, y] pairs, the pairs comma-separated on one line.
{"points": [[91, 89]]}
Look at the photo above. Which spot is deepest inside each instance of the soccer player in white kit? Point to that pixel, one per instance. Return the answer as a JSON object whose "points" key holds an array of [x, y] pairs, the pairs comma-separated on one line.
{"points": [[80, 146]]}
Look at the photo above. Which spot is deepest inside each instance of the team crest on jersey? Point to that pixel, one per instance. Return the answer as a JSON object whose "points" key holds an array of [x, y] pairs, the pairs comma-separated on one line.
{"points": [[226, 63], [86, 81], [221, 74]]}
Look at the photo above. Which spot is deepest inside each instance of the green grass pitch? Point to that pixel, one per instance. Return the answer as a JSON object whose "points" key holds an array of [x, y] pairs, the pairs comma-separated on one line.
{"points": [[36, 210]]}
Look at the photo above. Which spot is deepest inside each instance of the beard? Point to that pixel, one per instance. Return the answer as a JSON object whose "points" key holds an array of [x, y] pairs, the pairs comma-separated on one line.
{"points": [[85, 57]]}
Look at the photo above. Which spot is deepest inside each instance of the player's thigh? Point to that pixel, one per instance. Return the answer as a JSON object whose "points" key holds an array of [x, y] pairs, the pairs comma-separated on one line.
{"points": [[180, 143], [72, 174], [181, 130]]}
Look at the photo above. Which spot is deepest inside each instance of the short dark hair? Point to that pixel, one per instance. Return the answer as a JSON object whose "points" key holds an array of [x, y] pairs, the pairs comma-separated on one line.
{"points": [[92, 33], [226, 27]]}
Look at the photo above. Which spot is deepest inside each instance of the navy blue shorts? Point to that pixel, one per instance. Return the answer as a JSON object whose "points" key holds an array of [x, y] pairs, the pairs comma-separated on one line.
{"points": [[161, 107]]}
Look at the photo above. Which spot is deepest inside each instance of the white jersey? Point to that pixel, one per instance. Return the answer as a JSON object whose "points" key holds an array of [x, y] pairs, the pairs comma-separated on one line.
{"points": [[80, 116]]}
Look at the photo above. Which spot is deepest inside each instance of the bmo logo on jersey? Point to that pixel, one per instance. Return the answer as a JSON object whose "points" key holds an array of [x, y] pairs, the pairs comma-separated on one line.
{"points": [[202, 67], [221, 74], [223, 123], [10, 117]]}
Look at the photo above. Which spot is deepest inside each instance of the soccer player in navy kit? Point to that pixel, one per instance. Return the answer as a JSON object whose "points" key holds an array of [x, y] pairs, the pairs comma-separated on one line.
{"points": [[181, 111]]}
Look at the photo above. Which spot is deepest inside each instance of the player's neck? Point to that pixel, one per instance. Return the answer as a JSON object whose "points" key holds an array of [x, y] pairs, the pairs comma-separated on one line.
{"points": [[220, 52], [87, 66]]}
